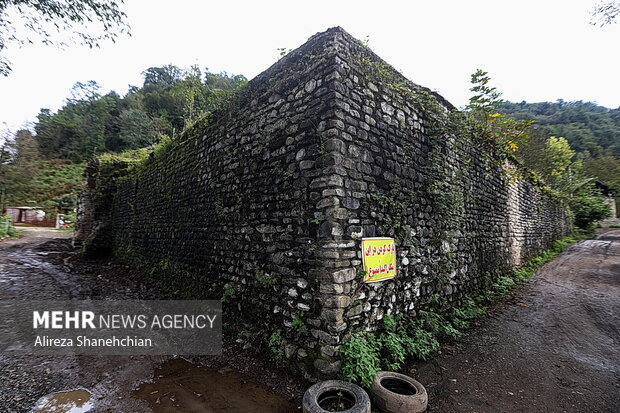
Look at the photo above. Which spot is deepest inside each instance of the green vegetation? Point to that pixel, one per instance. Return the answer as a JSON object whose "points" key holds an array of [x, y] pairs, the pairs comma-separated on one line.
{"points": [[590, 129], [265, 279], [485, 120], [546, 151], [170, 100], [27, 179], [7, 230], [275, 344], [592, 135], [53, 183], [46, 168], [297, 324], [360, 358], [404, 337]]}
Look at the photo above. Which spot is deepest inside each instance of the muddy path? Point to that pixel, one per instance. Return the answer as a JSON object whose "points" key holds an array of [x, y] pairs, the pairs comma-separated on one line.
{"points": [[41, 264], [553, 347]]}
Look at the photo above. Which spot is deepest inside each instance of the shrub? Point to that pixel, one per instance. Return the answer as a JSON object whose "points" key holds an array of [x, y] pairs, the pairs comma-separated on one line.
{"points": [[588, 209], [360, 358], [275, 346], [7, 230]]}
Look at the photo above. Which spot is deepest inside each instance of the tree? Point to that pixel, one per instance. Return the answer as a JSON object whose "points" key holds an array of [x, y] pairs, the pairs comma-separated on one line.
{"points": [[136, 130], [508, 134], [605, 168], [588, 207], [82, 127], [560, 157], [486, 98], [18, 162], [552, 159], [58, 22], [170, 100], [88, 91], [168, 75], [192, 93], [25, 148], [591, 130], [605, 12]]}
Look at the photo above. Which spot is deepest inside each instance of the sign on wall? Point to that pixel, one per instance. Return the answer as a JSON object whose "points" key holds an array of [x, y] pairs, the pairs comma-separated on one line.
{"points": [[379, 259]]}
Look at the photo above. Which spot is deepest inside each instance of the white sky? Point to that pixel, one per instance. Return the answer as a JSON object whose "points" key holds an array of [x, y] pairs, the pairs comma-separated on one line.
{"points": [[534, 50]]}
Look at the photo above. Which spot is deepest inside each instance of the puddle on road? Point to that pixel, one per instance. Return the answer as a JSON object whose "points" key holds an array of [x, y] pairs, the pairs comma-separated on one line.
{"points": [[74, 401], [180, 386]]}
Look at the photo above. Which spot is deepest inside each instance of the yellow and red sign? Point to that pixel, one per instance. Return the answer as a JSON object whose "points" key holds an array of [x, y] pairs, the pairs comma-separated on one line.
{"points": [[379, 258]]}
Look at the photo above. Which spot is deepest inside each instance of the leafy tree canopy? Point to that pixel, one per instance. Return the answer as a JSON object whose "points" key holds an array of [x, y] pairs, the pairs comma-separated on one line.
{"points": [[590, 129], [170, 99], [46, 168], [509, 134], [58, 22]]}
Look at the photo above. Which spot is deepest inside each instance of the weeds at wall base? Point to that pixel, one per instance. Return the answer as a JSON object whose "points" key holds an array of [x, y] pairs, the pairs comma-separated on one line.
{"points": [[416, 336]]}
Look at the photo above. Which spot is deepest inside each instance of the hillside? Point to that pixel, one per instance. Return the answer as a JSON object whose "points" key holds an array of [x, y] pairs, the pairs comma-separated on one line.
{"points": [[592, 131]]}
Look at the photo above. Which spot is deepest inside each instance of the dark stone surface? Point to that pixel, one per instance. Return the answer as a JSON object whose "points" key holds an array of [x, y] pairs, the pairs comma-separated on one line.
{"points": [[275, 191]]}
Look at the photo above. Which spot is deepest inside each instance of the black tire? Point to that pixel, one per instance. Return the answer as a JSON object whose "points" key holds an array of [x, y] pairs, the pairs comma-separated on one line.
{"points": [[396, 393], [347, 395]]}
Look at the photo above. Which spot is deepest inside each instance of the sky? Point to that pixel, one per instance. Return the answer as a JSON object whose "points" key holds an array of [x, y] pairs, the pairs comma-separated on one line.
{"points": [[534, 50]]}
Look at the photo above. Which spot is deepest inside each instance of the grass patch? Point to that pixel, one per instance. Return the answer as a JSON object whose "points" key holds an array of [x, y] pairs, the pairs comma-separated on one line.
{"points": [[403, 337]]}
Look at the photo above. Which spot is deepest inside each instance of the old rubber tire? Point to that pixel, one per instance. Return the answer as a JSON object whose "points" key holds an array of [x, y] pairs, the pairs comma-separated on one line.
{"points": [[357, 398], [396, 393]]}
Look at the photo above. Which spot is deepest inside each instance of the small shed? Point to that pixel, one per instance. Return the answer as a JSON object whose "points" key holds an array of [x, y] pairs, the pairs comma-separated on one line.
{"points": [[36, 216]]}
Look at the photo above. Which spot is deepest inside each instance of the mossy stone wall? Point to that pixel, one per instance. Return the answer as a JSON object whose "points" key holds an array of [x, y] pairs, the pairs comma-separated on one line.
{"points": [[264, 203]]}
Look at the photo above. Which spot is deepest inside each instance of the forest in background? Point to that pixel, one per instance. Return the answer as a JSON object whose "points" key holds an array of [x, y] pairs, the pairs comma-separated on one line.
{"points": [[592, 131], [565, 145], [44, 167]]}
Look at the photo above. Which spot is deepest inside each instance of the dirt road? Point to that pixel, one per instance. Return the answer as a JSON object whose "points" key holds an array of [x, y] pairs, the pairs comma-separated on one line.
{"points": [[42, 265], [555, 347], [38, 266]]}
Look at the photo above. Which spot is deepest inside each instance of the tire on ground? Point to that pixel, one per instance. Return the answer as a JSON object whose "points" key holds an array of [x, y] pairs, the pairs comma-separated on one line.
{"points": [[350, 396], [397, 393]]}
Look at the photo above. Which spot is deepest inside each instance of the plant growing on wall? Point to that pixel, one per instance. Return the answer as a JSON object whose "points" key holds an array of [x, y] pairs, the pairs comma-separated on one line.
{"points": [[506, 132]]}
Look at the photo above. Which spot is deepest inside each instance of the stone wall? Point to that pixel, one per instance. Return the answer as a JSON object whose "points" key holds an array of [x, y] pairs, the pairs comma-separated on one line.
{"points": [[265, 202]]}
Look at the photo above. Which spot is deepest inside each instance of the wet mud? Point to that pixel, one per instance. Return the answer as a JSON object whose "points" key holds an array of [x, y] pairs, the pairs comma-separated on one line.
{"points": [[43, 265], [180, 386]]}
